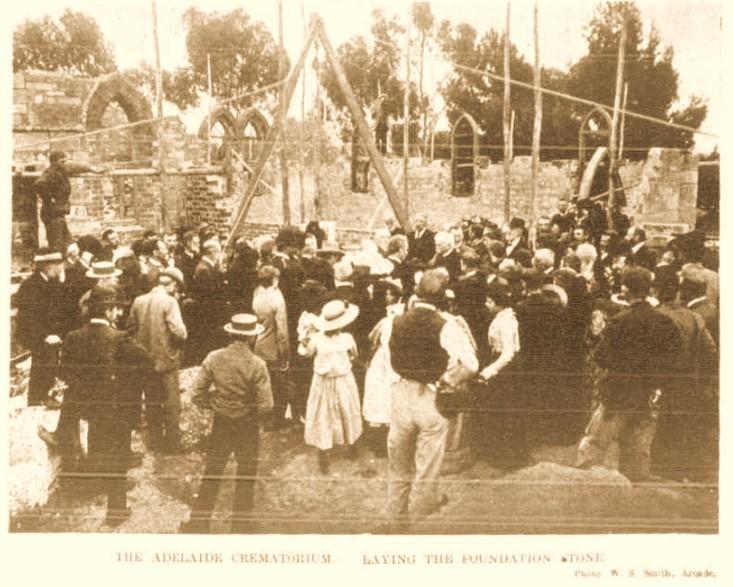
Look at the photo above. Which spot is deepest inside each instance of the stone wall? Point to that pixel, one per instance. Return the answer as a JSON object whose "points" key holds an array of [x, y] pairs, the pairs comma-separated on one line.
{"points": [[173, 185]]}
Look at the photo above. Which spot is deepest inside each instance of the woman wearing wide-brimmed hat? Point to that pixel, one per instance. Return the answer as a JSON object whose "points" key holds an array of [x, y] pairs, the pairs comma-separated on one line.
{"points": [[333, 414]]}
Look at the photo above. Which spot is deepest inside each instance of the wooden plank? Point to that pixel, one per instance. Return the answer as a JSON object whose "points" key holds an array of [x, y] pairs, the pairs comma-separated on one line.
{"points": [[364, 132], [272, 135]]}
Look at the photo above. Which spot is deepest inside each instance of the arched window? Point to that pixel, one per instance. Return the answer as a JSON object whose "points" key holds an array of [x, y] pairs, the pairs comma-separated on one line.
{"points": [[223, 128], [114, 102], [464, 156], [251, 131], [595, 131]]}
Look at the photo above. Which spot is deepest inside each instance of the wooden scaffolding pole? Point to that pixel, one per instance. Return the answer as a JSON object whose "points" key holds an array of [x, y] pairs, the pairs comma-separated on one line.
{"points": [[622, 131], [283, 113], [301, 154], [537, 129], [612, 150], [364, 131], [507, 122], [406, 123], [317, 31], [272, 135]]}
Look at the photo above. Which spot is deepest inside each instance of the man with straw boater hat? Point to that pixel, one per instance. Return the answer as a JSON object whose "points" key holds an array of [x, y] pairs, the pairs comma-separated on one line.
{"points": [[41, 322], [240, 397]]}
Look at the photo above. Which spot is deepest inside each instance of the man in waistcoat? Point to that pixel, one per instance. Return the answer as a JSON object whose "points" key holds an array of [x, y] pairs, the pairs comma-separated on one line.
{"points": [[430, 353]]}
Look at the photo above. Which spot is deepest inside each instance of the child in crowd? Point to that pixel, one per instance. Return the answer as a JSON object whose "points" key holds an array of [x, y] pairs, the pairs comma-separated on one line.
{"points": [[333, 414]]}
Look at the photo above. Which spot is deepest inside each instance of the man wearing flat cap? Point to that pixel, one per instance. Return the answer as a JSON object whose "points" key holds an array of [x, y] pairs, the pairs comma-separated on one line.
{"points": [[156, 323], [240, 396], [54, 189], [41, 322], [430, 352]]}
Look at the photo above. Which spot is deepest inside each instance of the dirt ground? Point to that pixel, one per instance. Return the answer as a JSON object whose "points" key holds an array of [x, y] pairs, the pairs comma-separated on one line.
{"points": [[292, 496]]}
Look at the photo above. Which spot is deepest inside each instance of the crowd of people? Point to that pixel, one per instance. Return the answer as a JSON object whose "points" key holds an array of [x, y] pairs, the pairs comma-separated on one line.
{"points": [[394, 347]]}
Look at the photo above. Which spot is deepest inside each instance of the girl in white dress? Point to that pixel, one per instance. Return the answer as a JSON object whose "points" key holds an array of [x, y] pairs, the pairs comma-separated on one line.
{"points": [[333, 414]]}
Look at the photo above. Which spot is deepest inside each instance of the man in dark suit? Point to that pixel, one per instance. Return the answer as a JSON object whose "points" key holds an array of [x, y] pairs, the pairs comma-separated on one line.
{"points": [[42, 322], [446, 256], [640, 255], [422, 242], [516, 248], [98, 363], [548, 385], [687, 432], [640, 349], [189, 255], [208, 290]]}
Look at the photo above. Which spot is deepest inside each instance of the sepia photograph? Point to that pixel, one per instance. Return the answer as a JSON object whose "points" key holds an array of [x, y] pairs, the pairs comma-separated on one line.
{"points": [[307, 267]]}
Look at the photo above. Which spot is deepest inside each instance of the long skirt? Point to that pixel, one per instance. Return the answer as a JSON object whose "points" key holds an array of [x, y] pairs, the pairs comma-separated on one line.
{"points": [[333, 414]]}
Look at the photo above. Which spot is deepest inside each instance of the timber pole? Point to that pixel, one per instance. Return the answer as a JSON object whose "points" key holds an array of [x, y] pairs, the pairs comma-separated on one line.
{"points": [[537, 129], [159, 113], [272, 135], [507, 121], [612, 151], [622, 131], [406, 123], [364, 131], [281, 70], [301, 155]]}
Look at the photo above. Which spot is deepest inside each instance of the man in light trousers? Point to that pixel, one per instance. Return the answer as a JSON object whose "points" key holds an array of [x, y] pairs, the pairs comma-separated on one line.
{"points": [[430, 352]]}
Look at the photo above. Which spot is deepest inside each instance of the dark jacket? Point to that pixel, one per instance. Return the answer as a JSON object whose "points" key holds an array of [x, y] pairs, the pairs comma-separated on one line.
{"points": [[105, 369], [422, 248], [42, 310], [451, 262], [639, 349], [54, 189], [643, 258], [187, 263]]}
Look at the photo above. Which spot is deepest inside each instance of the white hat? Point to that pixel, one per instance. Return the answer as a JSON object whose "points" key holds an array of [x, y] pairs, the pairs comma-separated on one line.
{"points": [[102, 270], [244, 325], [337, 314]]}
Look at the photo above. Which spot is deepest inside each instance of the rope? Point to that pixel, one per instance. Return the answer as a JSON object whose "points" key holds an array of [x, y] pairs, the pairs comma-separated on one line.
{"points": [[84, 135], [572, 98]]}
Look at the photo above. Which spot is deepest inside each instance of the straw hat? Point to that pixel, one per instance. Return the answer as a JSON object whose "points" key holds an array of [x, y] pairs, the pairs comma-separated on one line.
{"points": [[336, 314], [103, 270], [244, 325]]}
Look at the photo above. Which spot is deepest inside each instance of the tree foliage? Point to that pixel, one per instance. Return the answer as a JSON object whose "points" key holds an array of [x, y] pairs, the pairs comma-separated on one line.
{"points": [[648, 70], [371, 69], [482, 97], [244, 56], [74, 44]]}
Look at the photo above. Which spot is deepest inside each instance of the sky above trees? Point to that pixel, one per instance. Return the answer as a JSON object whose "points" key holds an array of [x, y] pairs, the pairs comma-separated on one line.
{"points": [[691, 26]]}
